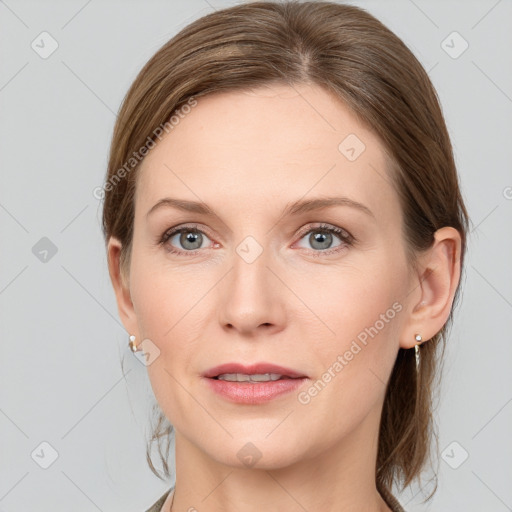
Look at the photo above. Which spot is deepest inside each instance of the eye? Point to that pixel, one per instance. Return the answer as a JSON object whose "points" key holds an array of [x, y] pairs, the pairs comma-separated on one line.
{"points": [[186, 239], [322, 237], [190, 239]]}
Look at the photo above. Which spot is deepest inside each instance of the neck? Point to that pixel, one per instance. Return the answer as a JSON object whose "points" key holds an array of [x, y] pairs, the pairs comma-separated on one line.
{"points": [[339, 478]]}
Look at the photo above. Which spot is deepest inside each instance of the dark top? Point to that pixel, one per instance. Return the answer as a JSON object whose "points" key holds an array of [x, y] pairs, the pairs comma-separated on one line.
{"points": [[391, 501], [156, 507]]}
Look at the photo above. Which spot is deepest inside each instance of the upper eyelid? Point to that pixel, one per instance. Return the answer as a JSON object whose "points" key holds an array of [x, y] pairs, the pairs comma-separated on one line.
{"points": [[325, 226], [183, 227], [304, 229]]}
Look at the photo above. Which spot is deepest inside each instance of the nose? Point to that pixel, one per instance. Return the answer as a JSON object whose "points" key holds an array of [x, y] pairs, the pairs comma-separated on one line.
{"points": [[252, 297]]}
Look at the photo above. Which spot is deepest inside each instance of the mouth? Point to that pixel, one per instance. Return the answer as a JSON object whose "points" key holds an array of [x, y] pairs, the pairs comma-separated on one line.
{"points": [[253, 384]]}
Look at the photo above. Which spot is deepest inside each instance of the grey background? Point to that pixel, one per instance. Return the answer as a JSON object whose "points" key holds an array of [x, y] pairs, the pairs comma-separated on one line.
{"points": [[62, 344]]}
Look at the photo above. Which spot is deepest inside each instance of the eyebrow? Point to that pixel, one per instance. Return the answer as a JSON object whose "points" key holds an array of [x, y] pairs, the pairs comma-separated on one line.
{"points": [[295, 208]]}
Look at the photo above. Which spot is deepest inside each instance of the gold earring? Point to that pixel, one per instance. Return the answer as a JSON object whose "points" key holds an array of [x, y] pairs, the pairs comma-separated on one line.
{"points": [[132, 343], [419, 340]]}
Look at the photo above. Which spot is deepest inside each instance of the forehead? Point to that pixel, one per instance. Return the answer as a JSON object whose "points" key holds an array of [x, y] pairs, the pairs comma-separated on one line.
{"points": [[264, 143]]}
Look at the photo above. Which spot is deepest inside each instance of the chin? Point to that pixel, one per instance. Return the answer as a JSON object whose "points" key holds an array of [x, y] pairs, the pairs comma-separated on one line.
{"points": [[257, 452]]}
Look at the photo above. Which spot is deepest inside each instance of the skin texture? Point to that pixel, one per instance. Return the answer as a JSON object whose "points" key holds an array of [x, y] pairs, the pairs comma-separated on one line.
{"points": [[247, 155]]}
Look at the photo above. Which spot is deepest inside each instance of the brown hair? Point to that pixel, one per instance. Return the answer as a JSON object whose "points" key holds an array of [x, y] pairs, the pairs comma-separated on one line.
{"points": [[352, 54]]}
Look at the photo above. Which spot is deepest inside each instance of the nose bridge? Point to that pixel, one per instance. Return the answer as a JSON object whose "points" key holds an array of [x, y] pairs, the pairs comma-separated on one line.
{"points": [[251, 297]]}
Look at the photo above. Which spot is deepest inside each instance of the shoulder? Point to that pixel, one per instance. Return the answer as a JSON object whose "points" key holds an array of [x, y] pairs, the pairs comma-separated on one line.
{"points": [[157, 506]]}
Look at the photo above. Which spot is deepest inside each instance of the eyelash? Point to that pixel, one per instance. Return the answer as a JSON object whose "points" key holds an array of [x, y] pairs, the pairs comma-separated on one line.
{"points": [[346, 238]]}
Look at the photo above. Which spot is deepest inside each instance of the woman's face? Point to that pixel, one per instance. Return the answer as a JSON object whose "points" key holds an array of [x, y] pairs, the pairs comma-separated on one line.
{"points": [[259, 280]]}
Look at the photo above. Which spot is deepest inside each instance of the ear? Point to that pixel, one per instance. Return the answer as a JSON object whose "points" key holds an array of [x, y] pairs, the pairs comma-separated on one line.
{"points": [[434, 287], [121, 287]]}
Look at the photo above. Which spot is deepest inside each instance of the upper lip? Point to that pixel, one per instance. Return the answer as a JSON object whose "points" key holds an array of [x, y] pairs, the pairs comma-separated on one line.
{"points": [[257, 368]]}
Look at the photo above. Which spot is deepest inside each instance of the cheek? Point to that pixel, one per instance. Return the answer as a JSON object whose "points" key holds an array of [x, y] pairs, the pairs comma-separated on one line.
{"points": [[171, 311], [350, 386], [163, 298], [348, 301], [359, 315]]}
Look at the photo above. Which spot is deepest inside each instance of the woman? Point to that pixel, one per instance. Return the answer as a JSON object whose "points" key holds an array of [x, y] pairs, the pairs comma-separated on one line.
{"points": [[284, 231]]}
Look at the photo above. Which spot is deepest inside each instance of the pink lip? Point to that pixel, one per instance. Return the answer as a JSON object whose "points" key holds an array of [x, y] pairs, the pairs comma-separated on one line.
{"points": [[252, 369], [253, 393]]}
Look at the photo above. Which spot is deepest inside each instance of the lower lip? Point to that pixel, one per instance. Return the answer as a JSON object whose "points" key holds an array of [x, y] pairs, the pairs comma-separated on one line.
{"points": [[254, 393]]}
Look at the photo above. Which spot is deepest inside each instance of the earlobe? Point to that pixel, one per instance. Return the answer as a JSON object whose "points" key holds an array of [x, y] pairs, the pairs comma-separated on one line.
{"points": [[121, 288], [437, 282]]}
